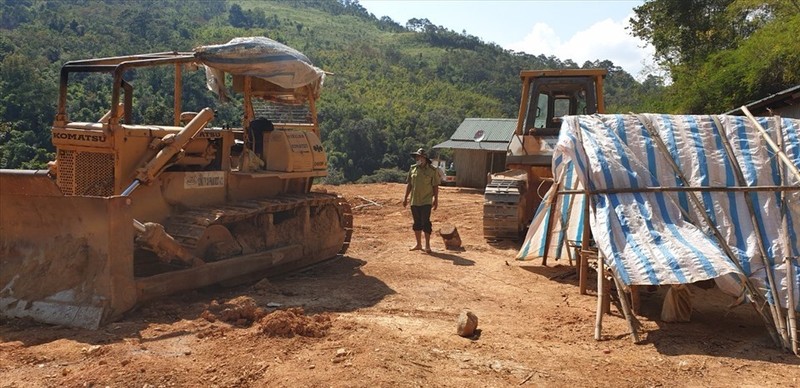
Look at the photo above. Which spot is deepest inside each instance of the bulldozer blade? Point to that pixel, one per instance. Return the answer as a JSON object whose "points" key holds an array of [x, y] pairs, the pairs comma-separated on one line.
{"points": [[215, 272], [63, 260]]}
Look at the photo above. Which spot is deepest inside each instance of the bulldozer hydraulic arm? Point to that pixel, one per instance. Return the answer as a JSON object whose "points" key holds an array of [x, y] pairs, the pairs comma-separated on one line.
{"points": [[174, 146]]}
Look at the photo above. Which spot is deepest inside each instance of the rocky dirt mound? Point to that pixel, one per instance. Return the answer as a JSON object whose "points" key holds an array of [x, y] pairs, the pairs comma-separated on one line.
{"points": [[293, 321], [243, 311], [240, 311]]}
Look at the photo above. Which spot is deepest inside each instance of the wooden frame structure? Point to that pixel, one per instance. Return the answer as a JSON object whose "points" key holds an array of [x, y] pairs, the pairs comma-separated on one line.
{"points": [[781, 327]]}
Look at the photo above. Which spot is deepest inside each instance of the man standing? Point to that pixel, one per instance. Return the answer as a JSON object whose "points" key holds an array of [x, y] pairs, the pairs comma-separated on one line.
{"points": [[423, 185]]}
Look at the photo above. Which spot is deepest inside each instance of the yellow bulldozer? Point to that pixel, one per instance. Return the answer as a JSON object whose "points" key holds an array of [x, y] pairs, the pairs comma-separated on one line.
{"points": [[511, 197], [132, 211]]}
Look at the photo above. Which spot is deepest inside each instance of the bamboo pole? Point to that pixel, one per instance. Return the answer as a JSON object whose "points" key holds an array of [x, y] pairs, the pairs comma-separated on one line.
{"points": [[787, 246], [781, 155], [626, 309], [755, 296], [778, 149], [636, 303], [790, 279], [598, 323], [775, 308], [565, 228], [603, 301], [606, 292], [583, 262], [552, 201], [548, 238]]}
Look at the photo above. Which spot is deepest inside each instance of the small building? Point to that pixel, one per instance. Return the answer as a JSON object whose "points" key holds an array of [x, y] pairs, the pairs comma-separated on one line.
{"points": [[479, 148], [785, 103]]}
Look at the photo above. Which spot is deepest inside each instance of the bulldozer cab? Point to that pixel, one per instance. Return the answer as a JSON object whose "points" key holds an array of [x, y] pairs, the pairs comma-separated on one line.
{"points": [[547, 96], [555, 98], [511, 197]]}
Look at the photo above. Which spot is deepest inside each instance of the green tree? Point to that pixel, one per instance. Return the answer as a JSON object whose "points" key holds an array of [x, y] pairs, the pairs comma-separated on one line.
{"points": [[365, 145], [237, 17], [722, 53], [684, 32]]}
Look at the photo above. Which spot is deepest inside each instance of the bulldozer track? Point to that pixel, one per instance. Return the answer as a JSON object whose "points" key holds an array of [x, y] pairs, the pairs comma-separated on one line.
{"points": [[347, 222], [188, 227], [501, 209]]}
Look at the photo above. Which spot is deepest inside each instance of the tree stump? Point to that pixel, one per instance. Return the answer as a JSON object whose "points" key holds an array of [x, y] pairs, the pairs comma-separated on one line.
{"points": [[466, 324], [450, 236]]}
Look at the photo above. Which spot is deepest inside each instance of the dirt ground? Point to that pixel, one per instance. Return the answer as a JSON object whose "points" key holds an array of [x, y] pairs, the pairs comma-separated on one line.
{"points": [[384, 316]]}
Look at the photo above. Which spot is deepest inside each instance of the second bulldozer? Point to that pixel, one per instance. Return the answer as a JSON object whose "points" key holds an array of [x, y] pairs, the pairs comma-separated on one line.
{"points": [[132, 211], [512, 197]]}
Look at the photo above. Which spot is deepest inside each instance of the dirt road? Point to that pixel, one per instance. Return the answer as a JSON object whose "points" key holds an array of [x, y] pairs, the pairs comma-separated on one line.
{"points": [[384, 316]]}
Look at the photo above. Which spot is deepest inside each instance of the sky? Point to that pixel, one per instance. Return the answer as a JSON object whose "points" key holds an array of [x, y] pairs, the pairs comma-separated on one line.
{"points": [[581, 30]]}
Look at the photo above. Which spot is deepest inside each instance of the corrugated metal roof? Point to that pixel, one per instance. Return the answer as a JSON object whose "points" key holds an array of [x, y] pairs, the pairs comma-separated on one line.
{"points": [[766, 102], [493, 129], [496, 134], [473, 145]]}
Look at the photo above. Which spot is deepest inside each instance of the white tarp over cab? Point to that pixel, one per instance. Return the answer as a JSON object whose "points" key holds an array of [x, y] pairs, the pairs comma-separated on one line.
{"points": [[262, 58], [657, 236]]}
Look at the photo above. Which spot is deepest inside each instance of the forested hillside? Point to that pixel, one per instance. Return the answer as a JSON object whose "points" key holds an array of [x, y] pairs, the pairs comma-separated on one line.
{"points": [[722, 53], [396, 85]]}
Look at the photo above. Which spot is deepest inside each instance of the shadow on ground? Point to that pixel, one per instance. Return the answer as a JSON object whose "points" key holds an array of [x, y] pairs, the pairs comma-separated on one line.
{"points": [[715, 329], [456, 259], [559, 273], [505, 244], [336, 285]]}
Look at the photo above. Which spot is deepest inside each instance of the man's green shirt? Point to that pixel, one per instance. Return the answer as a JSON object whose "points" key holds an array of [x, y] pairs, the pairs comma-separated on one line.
{"points": [[422, 180]]}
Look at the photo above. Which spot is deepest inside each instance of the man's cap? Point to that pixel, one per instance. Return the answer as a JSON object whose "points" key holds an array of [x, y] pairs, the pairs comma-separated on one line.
{"points": [[421, 152]]}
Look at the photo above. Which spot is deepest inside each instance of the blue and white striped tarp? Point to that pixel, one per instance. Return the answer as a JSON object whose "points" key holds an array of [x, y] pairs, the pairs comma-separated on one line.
{"points": [[660, 238]]}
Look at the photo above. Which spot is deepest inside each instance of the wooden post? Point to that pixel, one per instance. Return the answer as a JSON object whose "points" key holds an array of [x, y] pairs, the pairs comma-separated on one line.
{"points": [[792, 314], [584, 274], [570, 255], [598, 322], [574, 257], [606, 291], [450, 236], [787, 245], [565, 241], [791, 304], [636, 304], [626, 310], [583, 262], [548, 237]]}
